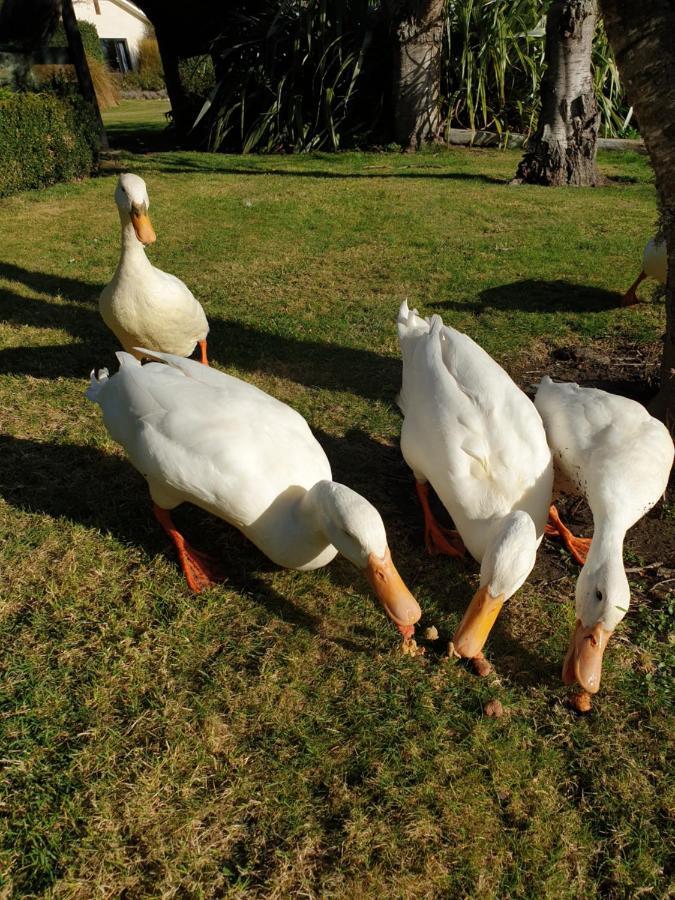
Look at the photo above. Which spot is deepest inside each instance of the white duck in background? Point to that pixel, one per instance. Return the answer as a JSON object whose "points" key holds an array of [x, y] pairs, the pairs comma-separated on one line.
{"points": [[475, 436], [203, 437], [142, 305], [609, 450], [654, 265]]}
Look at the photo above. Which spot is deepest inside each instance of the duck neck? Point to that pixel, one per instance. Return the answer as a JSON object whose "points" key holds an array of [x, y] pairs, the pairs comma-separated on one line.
{"points": [[133, 252], [291, 531], [607, 542]]}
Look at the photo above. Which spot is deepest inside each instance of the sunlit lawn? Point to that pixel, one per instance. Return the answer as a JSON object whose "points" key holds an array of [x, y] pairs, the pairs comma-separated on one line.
{"points": [[267, 738]]}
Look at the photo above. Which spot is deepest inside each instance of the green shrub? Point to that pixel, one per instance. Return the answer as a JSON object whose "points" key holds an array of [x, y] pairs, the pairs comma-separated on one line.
{"points": [[90, 40], [150, 71], [45, 139], [197, 77]]}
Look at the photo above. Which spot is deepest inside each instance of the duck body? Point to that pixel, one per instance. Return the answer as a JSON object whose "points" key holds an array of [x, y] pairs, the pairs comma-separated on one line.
{"points": [[200, 436], [145, 307], [609, 450], [142, 305], [477, 438], [654, 265], [655, 260]]}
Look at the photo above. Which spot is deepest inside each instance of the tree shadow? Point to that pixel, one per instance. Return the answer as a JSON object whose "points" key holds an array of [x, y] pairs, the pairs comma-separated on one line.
{"points": [[212, 165], [316, 364], [533, 295]]}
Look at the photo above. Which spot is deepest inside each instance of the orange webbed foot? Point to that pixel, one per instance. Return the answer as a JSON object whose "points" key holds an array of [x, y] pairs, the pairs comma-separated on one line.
{"points": [[577, 546], [202, 349], [201, 571], [437, 538]]}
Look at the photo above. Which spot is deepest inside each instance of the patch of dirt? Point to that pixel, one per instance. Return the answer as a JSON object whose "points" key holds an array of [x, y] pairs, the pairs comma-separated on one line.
{"points": [[631, 370]]}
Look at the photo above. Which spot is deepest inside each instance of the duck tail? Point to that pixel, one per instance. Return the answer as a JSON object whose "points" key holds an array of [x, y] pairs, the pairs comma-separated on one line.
{"points": [[409, 322], [96, 384]]}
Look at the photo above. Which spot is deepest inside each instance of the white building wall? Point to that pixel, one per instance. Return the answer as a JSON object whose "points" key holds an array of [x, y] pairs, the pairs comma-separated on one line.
{"points": [[117, 19]]}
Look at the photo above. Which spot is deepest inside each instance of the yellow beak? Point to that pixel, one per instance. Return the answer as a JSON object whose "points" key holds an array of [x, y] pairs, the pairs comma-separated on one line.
{"points": [[142, 225], [477, 623], [583, 662], [399, 604]]}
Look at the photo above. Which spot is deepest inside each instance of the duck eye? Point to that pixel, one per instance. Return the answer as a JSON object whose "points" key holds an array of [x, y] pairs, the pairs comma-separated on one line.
{"points": [[598, 595]]}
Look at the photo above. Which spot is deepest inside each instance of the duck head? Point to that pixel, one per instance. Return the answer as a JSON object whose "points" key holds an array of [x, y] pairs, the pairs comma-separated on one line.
{"points": [[507, 562], [353, 525], [602, 598], [131, 197]]}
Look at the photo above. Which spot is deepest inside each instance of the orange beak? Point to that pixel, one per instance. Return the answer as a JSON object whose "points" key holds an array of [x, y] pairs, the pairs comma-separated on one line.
{"points": [[477, 623], [583, 662], [142, 225], [399, 604]]}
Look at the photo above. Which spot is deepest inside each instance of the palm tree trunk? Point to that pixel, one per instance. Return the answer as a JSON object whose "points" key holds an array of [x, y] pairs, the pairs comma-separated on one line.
{"points": [[641, 34], [563, 148], [81, 68], [418, 29]]}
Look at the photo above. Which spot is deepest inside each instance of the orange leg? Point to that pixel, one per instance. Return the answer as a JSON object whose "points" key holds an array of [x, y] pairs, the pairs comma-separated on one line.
{"points": [[630, 297], [437, 538], [202, 350], [578, 547], [199, 569]]}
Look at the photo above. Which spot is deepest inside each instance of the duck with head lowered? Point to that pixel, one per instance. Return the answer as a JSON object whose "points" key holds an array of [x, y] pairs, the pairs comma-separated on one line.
{"points": [[609, 450], [472, 434], [654, 265], [143, 306], [200, 436]]}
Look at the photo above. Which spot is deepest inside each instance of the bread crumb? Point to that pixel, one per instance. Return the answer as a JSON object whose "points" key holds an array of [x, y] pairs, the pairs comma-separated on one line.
{"points": [[431, 633], [481, 666], [410, 648], [580, 702], [452, 653], [494, 709]]}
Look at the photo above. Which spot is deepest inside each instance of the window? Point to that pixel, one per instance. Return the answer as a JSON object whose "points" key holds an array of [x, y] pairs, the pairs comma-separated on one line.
{"points": [[116, 52]]}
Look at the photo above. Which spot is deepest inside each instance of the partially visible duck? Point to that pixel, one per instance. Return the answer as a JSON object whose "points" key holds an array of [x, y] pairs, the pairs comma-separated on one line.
{"points": [[609, 450], [472, 434], [143, 306], [200, 436], [654, 265]]}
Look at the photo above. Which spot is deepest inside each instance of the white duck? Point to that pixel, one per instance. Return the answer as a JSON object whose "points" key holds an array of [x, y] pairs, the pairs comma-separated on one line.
{"points": [[479, 441], [654, 265], [142, 305], [203, 437], [609, 450]]}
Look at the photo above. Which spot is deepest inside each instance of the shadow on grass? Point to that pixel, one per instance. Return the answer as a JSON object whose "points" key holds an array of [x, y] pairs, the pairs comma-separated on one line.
{"points": [[313, 363], [104, 492], [537, 296], [213, 165]]}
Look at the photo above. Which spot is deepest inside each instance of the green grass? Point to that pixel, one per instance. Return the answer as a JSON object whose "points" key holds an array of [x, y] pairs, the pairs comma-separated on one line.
{"points": [[266, 738]]}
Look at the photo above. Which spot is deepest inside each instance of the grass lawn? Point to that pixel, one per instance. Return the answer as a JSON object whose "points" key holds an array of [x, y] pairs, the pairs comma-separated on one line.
{"points": [[267, 738]]}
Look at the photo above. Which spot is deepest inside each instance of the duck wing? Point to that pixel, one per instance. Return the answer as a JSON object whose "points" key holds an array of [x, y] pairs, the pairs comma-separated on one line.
{"points": [[468, 428], [201, 436]]}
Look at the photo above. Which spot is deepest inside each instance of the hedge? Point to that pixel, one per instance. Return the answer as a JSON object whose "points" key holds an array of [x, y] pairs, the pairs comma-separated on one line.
{"points": [[44, 139], [90, 39]]}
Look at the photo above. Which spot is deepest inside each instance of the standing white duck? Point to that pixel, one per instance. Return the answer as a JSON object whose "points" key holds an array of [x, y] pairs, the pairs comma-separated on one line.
{"points": [[609, 450], [142, 305], [203, 437], [479, 441], [654, 265]]}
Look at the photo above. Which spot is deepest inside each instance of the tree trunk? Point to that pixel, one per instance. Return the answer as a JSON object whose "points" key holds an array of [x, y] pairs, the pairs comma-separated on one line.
{"points": [[563, 148], [418, 29], [174, 86], [81, 67], [641, 34]]}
